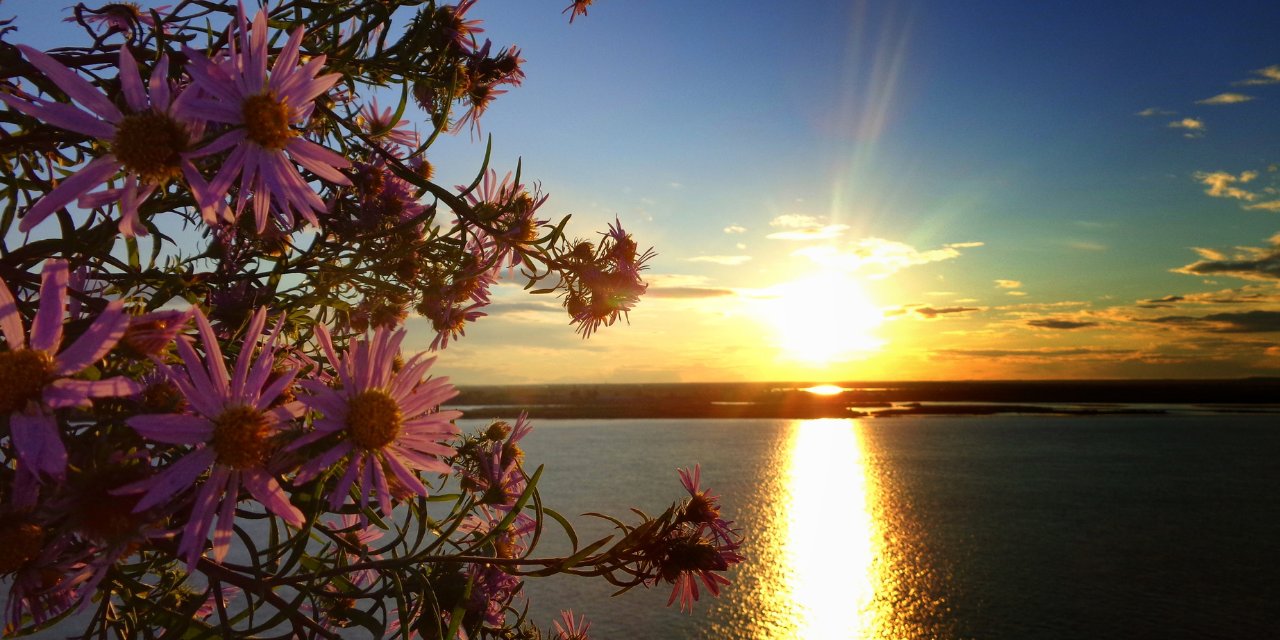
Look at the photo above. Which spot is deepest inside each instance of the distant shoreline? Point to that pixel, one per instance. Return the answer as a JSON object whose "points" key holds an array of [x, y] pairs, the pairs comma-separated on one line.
{"points": [[871, 399]]}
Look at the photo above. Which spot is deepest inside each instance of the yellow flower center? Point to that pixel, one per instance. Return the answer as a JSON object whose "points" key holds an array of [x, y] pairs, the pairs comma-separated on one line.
{"points": [[373, 419], [266, 120], [242, 437], [150, 144], [19, 543], [23, 374]]}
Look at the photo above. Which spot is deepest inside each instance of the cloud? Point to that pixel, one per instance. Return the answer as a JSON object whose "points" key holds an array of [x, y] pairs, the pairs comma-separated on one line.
{"points": [[876, 256], [1270, 205], [1266, 75], [1081, 245], [685, 293], [1055, 323], [1017, 293], [1220, 184], [735, 228], [802, 227], [1160, 303], [964, 245], [1248, 263], [1009, 284], [1155, 111], [732, 261], [1257, 321], [1226, 98], [931, 312], [1084, 353], [1193, 126]]}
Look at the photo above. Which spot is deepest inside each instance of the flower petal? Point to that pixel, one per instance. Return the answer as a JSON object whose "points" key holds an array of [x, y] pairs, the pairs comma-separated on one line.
{"points": [[76, 393], [131, 82], [61, 115], [78, 88], [94, 343], [36, 439], [88, 177], [266, 490], [46, 329], [172, 428], [10, 320]]}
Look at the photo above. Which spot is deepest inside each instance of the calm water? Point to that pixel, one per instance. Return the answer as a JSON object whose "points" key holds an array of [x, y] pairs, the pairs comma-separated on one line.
{"points": [[944, 527]]}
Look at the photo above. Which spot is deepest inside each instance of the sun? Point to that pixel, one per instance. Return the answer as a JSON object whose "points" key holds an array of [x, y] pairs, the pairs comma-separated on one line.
{"points": [[823, 318]]}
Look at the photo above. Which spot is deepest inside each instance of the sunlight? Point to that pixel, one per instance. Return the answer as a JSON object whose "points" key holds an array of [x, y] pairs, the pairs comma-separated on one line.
{"points": [[831, 587], [823, 318], [824, 390]]}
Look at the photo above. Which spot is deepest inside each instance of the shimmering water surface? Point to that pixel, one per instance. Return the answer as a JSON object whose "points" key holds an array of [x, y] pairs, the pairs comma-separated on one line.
{"points": [[943, 527]]}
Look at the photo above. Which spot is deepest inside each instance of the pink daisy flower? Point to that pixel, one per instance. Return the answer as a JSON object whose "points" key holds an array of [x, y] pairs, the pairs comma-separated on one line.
{"points": [[149, 144], [385, 420], [231, 426], [571, 630], [263, 107], [35, 377]]}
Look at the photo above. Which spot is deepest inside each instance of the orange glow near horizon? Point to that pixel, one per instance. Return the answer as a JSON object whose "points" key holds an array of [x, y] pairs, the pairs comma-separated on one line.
{"points": [[823, 318]]}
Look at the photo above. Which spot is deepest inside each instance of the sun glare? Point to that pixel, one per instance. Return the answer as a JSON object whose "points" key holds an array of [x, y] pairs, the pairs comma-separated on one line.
{"points": [[824, 318], [824, 390]]}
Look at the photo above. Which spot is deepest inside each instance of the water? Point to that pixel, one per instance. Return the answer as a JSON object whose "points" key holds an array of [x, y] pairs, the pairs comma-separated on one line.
{"points": [[943, 527]]}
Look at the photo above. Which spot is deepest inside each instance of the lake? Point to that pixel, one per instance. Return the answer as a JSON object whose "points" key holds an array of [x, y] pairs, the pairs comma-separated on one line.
{"points": [[943, 526]]}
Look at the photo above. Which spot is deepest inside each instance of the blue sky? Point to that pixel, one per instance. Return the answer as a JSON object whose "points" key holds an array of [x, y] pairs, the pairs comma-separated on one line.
{"points": [[975, 183]]}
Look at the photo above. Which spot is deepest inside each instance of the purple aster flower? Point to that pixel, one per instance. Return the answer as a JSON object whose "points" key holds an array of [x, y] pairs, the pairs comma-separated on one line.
{"points": [[151, 333], [45, 572], [34, 377], [232, 427], [384, 420], [703, 508], [150, 144], [356, 536], [571, 630], [263, 108], [578, 7]]}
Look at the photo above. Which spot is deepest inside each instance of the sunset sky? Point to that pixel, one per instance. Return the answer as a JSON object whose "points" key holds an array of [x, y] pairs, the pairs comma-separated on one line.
{"points": [[894, 190]]}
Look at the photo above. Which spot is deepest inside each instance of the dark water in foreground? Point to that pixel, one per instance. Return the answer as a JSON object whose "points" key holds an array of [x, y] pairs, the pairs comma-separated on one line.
{"points": [[944, 527]]}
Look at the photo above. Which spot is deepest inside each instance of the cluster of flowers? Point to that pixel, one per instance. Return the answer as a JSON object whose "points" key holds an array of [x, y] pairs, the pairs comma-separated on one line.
{"points": [[201, 414]]}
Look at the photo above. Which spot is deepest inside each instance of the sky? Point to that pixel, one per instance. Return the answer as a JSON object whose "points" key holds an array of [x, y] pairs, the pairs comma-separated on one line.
{"points": [[844, 191]]}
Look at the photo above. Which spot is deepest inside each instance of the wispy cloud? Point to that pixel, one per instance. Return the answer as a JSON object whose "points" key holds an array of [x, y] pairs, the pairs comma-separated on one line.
{"points": [[1248, 263], [1017, 293], [1155, 111], [1084, 245], [688, 292], [1038, 354], [802, 227], [1009, 284], [1226, 98], [878, 257], [1061, 324], [1266, 75], [735, 228], [731, 261]]}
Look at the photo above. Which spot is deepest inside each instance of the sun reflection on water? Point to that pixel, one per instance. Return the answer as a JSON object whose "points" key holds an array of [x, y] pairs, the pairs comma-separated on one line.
{"points": [[830, 545]]}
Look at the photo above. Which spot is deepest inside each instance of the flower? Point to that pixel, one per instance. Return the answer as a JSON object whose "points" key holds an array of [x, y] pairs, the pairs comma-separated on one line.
{"points": [[116, 17], [385, 420], [35, 378], [382, 128], [571, 630], [262, 107], [578, 7], [232, 428], [687, 555], [703, 507], [150, 333], [151, 144], [47, 578]]}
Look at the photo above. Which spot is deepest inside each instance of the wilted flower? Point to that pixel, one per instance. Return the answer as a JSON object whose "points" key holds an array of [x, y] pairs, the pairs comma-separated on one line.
{"points": [[116, 17], [578, 7]]}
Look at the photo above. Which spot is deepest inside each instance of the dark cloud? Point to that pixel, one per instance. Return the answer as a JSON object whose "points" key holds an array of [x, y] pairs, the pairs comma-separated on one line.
{"points": [[1160, 303], [931, 312], [687, 292], [1258, 264], [1242, 322], [1054, 323], [1037, 354]]}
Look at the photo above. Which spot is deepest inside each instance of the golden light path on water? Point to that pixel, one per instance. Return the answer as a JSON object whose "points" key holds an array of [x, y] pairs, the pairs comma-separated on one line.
{"points": [[830, 544]]}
